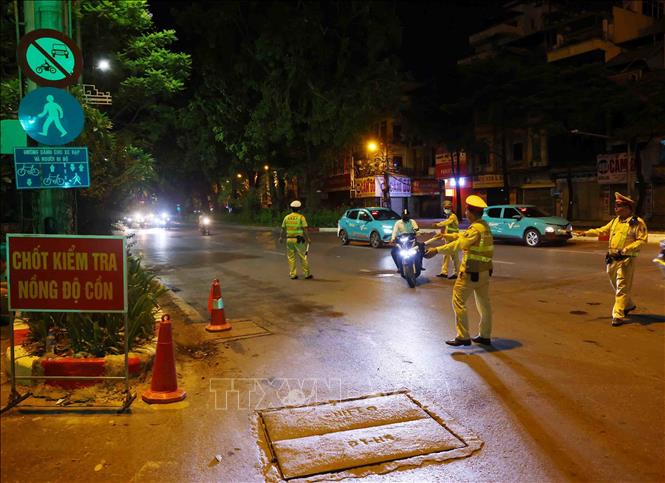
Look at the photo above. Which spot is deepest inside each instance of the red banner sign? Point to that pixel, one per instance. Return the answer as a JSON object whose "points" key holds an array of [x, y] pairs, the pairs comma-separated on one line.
{"points": [[425, 186], [613, 168], [446, 164], [60, 273]]}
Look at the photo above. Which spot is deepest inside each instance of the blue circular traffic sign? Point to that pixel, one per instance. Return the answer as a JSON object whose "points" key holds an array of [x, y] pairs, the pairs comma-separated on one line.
{"points": [[51, 116]]}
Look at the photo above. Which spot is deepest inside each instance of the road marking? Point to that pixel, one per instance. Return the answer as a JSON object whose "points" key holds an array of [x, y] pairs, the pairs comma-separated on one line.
{"points": [[585, 252], [272, 252], [501, 261]]}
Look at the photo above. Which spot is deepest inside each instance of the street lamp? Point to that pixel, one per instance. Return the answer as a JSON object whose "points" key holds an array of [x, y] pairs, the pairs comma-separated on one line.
{"points": [[372, 147], [104, 65]]}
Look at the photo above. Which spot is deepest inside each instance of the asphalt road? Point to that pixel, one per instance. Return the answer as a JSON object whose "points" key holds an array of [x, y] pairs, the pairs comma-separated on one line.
{"points": [[562, 396], [565, 390]]}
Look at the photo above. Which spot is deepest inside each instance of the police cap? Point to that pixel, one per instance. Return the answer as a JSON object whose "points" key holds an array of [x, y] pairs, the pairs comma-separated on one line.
{"points": [[476, 201], [620, 199], [296, 204]]}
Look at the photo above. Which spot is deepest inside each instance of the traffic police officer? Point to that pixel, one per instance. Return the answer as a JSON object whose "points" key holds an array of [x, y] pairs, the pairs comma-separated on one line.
{"points": [[628, 233], [474, 276], [297, 240], [448, 226]]}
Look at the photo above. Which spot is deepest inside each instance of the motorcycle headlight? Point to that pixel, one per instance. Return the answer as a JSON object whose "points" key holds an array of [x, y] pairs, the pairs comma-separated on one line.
{"points": [[206, 221], [549, 229], [408, 253]]}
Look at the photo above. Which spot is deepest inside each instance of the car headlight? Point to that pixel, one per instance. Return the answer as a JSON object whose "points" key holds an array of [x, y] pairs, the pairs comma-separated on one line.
{"points": [[549, 229], [569, 227], [387, 230]]}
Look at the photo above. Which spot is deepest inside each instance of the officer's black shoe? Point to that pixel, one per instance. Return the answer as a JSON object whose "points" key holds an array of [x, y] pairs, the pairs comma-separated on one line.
{"points": [[457, 342], [453, 276], [481, 340], [628, 310], [309, 277], [294, 278], [443, 275], [618, 322]]}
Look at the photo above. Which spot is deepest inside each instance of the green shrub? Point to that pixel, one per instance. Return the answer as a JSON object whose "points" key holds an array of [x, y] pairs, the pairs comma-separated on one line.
{"points": [[101, 334], [267, 217]]}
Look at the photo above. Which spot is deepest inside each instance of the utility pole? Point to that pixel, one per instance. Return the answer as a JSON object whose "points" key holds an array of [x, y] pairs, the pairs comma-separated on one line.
{"points": [[53, 210]]}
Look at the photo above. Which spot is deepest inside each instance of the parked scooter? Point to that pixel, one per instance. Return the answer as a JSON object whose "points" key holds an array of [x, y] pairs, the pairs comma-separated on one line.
{"points": [[204, 225], [410, 257]]}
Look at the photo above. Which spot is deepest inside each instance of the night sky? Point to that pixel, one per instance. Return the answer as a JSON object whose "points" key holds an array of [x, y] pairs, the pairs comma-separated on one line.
{"points": [[435, 34]]}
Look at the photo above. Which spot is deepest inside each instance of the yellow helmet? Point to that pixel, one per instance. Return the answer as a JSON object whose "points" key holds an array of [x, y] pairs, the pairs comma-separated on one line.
{"points": [[476, 201]]}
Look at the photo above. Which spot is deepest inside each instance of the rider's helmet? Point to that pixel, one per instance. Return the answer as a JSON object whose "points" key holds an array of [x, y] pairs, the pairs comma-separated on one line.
{"points": [[405, 214]]}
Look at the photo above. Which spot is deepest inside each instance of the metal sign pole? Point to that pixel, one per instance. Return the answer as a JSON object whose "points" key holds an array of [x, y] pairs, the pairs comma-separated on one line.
{"points": [[129, 397], [14, 397]]}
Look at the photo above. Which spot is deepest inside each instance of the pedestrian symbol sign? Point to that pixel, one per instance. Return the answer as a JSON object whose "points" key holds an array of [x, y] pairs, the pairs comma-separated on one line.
{"points": [[50, 58], [51, 116]]}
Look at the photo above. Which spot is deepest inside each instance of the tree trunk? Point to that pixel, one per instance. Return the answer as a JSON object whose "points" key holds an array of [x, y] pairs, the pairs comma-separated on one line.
{"points": [[456, 176], [504, 166], [569, 181], [641, 188]]}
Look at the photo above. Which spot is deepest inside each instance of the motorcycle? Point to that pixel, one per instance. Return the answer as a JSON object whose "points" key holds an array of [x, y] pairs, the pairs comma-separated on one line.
{"points": [[204, 226], [410, 257]]}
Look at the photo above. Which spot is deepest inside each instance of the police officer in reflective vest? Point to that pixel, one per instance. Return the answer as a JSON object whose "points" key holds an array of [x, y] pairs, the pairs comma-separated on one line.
{"points": [[297, 240], [448, 226], [474, 276], [628, 233]]}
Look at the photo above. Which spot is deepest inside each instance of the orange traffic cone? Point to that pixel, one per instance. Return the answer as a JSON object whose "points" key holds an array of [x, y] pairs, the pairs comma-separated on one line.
{"points": [[164, 385], [218, 321]]}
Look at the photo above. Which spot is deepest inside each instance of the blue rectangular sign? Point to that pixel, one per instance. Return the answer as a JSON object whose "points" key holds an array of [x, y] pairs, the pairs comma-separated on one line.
{"points": [[51, 167]]}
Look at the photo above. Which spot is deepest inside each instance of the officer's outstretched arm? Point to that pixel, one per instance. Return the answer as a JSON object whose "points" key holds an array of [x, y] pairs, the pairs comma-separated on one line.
{"points": [[603, 230]]}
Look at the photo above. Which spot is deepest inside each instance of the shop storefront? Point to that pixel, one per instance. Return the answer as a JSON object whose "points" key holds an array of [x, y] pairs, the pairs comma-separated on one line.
{"points": [[490, 187], [369, 191], [337, 190], [425, 199]]}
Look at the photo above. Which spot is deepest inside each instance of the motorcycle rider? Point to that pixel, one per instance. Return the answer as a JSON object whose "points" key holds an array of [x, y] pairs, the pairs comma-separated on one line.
{"points": [[204, 222], [406, 225], [294, 226]]}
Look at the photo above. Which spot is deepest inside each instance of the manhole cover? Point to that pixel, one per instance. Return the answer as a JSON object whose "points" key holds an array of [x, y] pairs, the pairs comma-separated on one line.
{"points": [[240, 329], [332, 437]]}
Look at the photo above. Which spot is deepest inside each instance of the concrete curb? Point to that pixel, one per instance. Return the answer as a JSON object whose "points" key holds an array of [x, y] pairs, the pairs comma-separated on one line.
{"points": [[190, 312], [110, 365]]}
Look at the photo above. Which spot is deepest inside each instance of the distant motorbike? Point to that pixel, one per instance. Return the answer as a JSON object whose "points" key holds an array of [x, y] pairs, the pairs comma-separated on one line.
{"points": [[410, 257], [660, 259], [204, 226]]}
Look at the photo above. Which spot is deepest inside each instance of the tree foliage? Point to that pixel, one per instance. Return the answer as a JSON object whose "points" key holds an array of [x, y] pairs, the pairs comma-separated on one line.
{"points": [[288, 84], [146, 74]]}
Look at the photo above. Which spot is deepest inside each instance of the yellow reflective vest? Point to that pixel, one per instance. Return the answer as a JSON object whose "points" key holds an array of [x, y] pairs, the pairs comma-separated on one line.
{"points": [[295, 225], [478, 257], [625, 235], [451, 224]]}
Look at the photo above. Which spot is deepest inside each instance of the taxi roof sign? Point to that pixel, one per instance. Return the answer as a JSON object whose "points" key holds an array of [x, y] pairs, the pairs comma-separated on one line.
{"points": [[50, 58]]}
